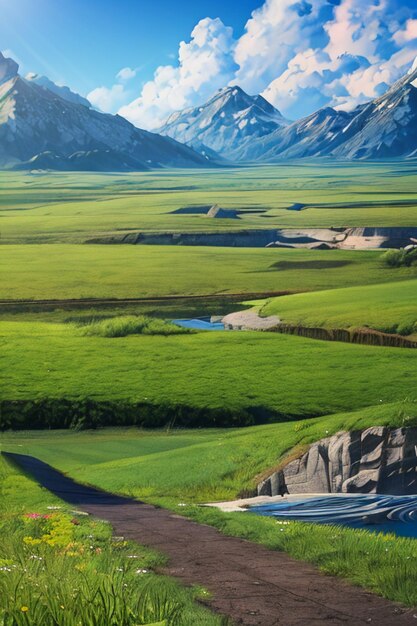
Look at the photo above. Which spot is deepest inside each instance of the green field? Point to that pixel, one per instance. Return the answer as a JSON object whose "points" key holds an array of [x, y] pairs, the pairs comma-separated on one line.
{"points": [[391, 308], [190, 465], [36, 207], [179, 469], [88, 271], [55, 357], [300, 377]]}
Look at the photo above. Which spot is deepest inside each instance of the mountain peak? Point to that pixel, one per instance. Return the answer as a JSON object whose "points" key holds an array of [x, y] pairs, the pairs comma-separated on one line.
{"points": [[223, 122], [8, 69]]}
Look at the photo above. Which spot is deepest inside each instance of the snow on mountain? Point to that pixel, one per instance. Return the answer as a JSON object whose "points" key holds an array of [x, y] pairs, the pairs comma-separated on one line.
{"points": [[64, 92], [224, 122], [39, 126], [384, 128], [311, 136]]}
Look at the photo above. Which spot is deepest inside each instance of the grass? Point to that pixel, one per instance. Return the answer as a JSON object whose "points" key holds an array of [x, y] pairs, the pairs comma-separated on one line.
{"points": [[180, 468], [300, 377], [45, 217], [199, 465], [390, 307], [67, 207], [123, 326], [60, 568], [94, 271]]}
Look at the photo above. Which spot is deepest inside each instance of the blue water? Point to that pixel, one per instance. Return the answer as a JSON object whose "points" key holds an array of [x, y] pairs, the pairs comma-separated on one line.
{"points": [[376, 513], [200, 323]]}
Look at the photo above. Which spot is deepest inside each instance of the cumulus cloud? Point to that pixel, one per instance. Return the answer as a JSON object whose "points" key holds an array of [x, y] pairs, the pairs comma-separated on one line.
{"points": [[300, 54], [110, 99], [107, 99], [205, 64], [359, 55]]}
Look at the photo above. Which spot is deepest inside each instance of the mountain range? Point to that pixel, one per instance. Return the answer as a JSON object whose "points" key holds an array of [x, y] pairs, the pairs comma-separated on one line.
{"points": [[384, 128], [247, 128], [46, 128]]}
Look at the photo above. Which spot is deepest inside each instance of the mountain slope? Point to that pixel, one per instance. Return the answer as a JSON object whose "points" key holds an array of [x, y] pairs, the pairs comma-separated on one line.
{"points": [[383, 128], [34, 121], [386, 127], [224, 122], [314, 135], [64, 92]]}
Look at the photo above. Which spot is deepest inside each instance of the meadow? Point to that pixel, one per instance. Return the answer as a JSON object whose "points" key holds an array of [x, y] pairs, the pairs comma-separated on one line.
{"points": [[390, 308], [191, 373], [85, 364], [182, 469], [64, 272], [63, 207], [59, 566]]}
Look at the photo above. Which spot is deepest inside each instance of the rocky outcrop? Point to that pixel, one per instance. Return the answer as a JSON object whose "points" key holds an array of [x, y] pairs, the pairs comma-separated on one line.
{"points": [[376, 460]]}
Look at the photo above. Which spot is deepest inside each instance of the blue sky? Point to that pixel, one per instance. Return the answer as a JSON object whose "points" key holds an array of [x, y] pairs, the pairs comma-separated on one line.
{"points": [[149, 58], [84, 43]]}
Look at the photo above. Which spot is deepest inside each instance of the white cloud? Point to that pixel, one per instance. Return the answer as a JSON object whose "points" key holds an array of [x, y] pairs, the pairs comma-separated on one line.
{"points": [[205, 64], [126, 73], [301, 54], [107, 99], [275, 34], [357, 60], [407, 34]]}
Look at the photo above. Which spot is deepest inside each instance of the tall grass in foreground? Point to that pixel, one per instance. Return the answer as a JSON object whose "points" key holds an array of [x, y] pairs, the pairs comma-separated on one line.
{"points": [[132, 325], [61, 568]]}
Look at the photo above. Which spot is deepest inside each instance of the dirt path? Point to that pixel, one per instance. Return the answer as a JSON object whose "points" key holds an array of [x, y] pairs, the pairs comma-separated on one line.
{"points": [[252, 585]]}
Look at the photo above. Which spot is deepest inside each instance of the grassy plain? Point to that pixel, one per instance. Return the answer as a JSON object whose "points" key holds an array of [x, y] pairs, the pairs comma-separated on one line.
{"points": [[299, 377], [190, 465], [179, 469], [125, 271], [287, 377], [391, 307], [39, 207]]}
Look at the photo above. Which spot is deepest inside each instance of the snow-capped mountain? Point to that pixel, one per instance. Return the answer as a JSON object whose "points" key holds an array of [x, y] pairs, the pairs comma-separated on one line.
{"points": [[311, 136], [384, 128], [224, 122], [39, 126], [64, 92]]}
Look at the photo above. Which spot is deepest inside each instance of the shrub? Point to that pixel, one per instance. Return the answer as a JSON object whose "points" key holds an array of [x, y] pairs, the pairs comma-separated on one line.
{"points": [[400, 258], [131, 325]]}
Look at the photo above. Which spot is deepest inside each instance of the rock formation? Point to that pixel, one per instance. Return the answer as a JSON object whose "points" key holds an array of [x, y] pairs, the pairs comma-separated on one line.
{"points": [[376, 460]]}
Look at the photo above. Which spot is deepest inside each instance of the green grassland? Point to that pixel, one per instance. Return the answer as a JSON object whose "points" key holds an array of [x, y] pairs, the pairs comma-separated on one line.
{"points": [[58, 566], [123, 271], [46, 220], [180, 469], [391, 307], [283, 375], [37, 207], [200, 465]]}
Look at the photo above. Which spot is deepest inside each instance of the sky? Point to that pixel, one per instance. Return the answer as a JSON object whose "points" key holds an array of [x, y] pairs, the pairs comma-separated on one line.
{"points": [[149, 58]]}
